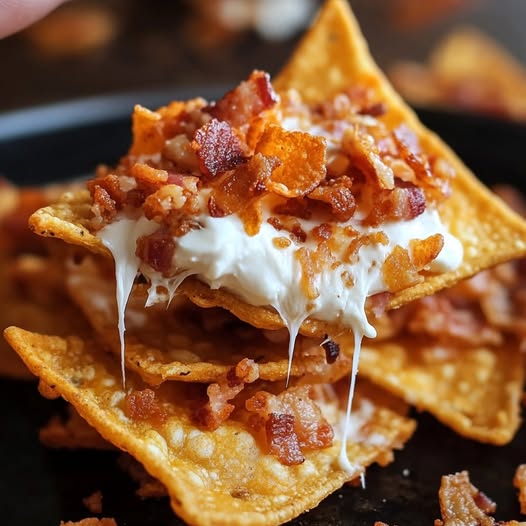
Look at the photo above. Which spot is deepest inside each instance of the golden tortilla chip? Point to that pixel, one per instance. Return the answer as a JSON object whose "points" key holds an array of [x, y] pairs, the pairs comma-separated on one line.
{"points": [[475, 391], [333, 56], [189, 344], [206, 483]]}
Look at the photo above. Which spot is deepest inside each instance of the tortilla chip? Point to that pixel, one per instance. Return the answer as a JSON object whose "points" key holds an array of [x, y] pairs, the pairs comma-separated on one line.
{"points": [[206, 483], [189, 344], [475, 391], [331, 57]]}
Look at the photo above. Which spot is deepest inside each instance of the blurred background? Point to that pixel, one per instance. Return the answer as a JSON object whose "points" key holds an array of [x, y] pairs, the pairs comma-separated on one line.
{"points": [[429, 48]]}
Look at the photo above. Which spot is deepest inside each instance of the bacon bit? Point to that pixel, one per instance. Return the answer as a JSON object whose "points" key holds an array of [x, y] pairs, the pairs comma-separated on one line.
{"points": [[218, 148], [302, 158], [332, 349], [281, 242], [104, 207], [347, 279], [404, 202], [147, 131], [217, 409], [93, 502], [282, 440], [246, 101], [110, 183], [247, 181], [322, 232], [358, 241], [312, 263], [519, 481], [424, 251], [463, 503], [164, 201], [398, 272], [294, 207], [338, 195], [214, 209], [310, 430], [143, 405], [364, 153], [147, 175], [157, 250], [179, 151]]}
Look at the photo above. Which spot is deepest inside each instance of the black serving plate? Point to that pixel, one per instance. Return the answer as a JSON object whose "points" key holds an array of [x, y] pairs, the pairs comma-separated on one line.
{"points": [[42, 487]]}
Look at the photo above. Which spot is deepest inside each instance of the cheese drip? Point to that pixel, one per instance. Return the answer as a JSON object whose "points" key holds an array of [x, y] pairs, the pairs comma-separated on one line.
{"points": [[120, 238]]}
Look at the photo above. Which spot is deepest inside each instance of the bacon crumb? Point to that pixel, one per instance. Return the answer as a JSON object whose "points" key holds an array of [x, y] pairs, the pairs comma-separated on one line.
{"points": [[246, 101], [143, 405], [282, 440], [93, 502], [305, 426], [218, 148], [90, 521], [463, 503], [217, 409], [157, 250]]}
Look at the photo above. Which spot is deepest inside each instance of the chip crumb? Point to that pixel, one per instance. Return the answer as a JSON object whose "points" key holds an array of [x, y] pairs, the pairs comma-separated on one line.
{"points": [[93, 502], [90, 521], [519, 481]]}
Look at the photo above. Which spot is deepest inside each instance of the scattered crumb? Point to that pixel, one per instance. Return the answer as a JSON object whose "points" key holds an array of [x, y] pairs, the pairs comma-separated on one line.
{"points": [[93, 502]]}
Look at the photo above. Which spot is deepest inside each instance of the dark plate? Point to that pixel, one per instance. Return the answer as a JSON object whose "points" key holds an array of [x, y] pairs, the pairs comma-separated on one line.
{"points": [[38, 486]]}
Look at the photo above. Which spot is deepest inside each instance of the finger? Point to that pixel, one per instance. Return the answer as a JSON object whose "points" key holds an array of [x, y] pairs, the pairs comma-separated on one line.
{"points": [[17, 14]]}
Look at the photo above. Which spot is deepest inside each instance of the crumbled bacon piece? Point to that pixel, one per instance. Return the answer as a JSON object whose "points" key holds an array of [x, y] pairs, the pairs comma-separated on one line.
{"points": [[246, 101], [217, 409], [282, 440], [104, 207], [235, 189], [309, 428], [463, 503], [404, 202], [143, 405], [157, 250], [337, 193], [218, 148]]}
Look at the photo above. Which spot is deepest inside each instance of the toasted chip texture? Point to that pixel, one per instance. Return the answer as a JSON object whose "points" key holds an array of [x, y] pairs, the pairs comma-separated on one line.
{"points": [[186, 343], [475, 391], [206, 483]]}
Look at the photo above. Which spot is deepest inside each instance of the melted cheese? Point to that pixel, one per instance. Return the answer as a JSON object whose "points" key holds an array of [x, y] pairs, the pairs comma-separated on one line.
{"points": [[120, 238]]}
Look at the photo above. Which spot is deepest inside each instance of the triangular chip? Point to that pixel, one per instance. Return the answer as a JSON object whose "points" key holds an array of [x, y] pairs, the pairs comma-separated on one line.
{"points": [[334, 55], [476, 392], [207, 484], [238, 150]]}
